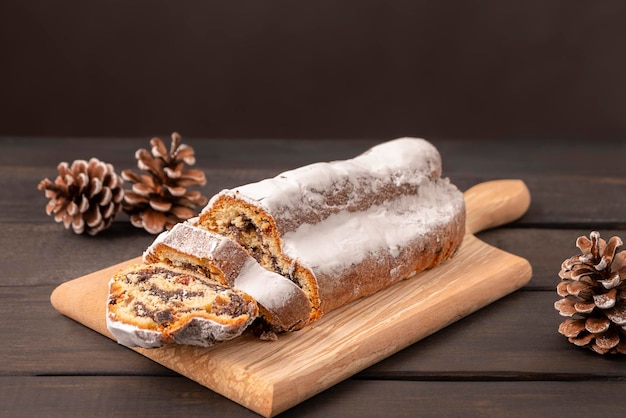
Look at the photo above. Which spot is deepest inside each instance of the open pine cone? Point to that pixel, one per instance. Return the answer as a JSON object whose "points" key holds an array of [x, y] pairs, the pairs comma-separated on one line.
{"points": [[85, 196], [160, 199], [593, 291]]}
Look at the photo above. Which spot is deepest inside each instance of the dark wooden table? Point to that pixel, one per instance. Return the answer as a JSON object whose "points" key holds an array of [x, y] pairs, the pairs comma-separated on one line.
{"points": [[504, 360]]}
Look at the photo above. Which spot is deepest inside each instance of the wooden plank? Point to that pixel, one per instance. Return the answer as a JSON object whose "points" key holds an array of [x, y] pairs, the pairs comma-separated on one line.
{"points": [[565, 197], [68, 255], [93, 396], [540, 157], [513, 338], [480, 346], [544, 248], [560, 201], [39, 341], [270, 154], [23, 202], [577, 201], [81, 396], [565, 201], [491, 158]]}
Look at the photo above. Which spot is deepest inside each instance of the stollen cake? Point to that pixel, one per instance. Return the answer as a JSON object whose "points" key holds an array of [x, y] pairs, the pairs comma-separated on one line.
{"points": [[287, 249], [150, 305], [283, 306], [346, 229]]}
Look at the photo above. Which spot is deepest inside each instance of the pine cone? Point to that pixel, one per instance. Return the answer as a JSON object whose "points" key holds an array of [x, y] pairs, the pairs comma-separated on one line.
{"points": [[160, 199], [593, 288], [85, 195]]}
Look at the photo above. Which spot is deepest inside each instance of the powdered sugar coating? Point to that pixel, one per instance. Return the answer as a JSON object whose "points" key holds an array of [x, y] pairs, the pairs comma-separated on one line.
{"points": [[347, 229], [200, 332], [270, 289], [287, 304], [133, 336], [313, 192], [186, 238], [189, 240], [387, 228]]}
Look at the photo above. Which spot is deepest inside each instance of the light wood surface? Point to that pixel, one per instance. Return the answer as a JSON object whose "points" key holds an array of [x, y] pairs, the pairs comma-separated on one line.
{"points": [[270, 377]]}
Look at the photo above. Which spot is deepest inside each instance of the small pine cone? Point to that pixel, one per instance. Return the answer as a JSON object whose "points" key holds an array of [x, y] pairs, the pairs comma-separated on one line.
{"points": [[160, 199], [593, 291], [85, 196]]}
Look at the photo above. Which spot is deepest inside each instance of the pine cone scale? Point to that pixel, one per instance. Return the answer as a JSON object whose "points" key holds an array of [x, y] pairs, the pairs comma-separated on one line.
{"points": [[92, 217], [606, 300], [583, 340], [133, 199], [597, 325], [608, 339], [130, 175], [584, 307], [613, 281], [106, 197], [562, 289], [143, 189], [176, 191], [572, 327], [186, 182], [617, 314], [95, 187], [153, 221], [158, 148], [108, 211], [78, 224], [183, 212], [577, 288], [160, 205], [565, 307], [186, 154]]}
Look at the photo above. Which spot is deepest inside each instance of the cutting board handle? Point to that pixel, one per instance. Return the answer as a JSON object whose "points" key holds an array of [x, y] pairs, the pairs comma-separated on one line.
{"points": [[494, 203]]}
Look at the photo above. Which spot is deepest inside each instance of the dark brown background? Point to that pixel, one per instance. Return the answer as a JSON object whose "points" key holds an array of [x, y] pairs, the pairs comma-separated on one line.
{"points": [[314, 69]]}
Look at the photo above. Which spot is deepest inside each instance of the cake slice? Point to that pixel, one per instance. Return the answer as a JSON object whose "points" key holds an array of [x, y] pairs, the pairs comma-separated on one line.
{"points": [[150, 305], [283, 306]]}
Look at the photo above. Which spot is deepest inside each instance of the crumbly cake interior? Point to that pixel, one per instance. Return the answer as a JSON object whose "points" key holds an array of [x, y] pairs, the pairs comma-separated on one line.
{"points": [[158, 298], [255, 232], [190, 263]]}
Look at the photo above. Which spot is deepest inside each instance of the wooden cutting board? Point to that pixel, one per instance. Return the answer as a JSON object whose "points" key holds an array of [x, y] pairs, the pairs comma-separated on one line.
{"points": [[270, 377]]}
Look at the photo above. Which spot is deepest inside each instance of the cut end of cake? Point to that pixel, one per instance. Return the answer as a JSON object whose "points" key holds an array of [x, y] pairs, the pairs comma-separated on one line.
{"points": [[156, 304], [257, 233]]}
